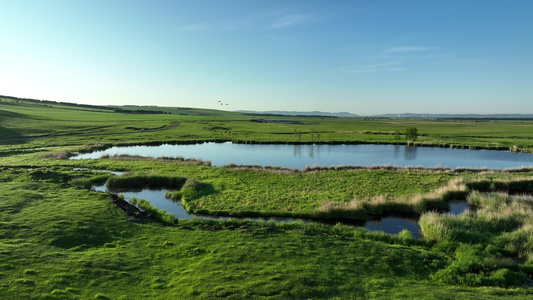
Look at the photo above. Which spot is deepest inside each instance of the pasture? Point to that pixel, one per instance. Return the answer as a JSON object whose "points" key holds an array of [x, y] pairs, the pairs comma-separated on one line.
{"points": [[61, 240]]}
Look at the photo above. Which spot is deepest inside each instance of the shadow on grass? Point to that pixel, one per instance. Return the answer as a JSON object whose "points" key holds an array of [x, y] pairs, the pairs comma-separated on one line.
{"points": [[79, 236]]}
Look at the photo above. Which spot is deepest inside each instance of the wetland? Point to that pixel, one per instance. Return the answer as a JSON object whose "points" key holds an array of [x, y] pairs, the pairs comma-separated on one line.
{"points": [[219, 230]]}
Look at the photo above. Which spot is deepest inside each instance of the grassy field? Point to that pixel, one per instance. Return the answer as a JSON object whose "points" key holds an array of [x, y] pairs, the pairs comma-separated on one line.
{"points": [[28, 119], [61, 241]]}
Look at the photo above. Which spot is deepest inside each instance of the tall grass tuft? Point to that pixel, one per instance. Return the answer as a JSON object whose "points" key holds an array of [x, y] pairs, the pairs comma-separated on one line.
{"points": [[351, 210], [158, 214], [59, 154], [87, 183], [155, 181], [501, 220]]}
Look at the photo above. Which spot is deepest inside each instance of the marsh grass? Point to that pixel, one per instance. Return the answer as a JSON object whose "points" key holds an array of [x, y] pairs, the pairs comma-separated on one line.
{"points": [[133, 201], [58, 154], [352, 210], [381, 205], [476, 266], [318, 168], [158, 214], [149, 180], [181, 160], [87, 183], [500, 220], [512, 186]]}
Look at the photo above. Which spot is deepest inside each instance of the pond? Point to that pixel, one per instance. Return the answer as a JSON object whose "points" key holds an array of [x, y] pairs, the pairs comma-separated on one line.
{"points": [[300, 156], [388, 224]]}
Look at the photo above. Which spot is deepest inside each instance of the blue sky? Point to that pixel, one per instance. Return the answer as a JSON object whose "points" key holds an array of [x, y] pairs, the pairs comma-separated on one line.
{"points": [[364, 57]]}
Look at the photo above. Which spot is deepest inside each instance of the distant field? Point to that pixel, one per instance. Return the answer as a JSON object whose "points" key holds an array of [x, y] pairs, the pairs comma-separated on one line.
{"points": [[27, 119]]}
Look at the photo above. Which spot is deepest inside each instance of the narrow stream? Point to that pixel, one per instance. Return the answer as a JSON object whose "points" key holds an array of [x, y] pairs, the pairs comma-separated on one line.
{"points": [[389, 224]]}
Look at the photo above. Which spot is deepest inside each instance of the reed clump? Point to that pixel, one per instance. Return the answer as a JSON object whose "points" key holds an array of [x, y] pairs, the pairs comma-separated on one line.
{"points": [[267, 169], [95, 147], [87, 183], [501, 220], [191, 190], [352, 210], [59, 154], [181, 160], [158, 214], [475, 265], [154, 181], [380, 204]]}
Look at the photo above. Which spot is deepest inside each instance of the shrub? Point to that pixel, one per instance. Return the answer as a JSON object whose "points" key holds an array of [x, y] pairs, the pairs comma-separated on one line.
{"points": [[405, 237], [505, 278]]}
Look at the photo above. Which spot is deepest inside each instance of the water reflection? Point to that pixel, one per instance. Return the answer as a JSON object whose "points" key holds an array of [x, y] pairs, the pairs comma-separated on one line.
{"points": [[393, 225], [298, 156], [156, 197], [117, 173], [458, 207], [410, 152], [297, 151], [396, 151]]}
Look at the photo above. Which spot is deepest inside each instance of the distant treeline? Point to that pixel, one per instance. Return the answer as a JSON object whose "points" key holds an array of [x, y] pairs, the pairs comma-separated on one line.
{"points": [[111, 109], [49, 102], [139, 111]]}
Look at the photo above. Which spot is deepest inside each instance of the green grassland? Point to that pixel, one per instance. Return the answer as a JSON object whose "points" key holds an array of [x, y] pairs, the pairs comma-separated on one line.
{"points": [[28, 119], [61, 241]]}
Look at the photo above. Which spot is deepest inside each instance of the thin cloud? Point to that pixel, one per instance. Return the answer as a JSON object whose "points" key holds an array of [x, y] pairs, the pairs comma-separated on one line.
{"points": [[291, 20], [388, 66], [404, 49], [193, 27]]}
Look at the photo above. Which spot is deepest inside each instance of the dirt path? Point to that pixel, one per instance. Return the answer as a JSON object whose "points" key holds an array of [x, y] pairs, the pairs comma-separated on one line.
{"points": [[175, 124]]}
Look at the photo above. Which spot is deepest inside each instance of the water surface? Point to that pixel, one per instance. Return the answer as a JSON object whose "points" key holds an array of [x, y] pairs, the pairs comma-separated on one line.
{"points": [[389, 224], [300, 156]]}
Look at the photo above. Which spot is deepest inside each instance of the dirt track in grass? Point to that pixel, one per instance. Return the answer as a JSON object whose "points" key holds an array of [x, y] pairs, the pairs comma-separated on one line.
{"points": [[175, 124]]}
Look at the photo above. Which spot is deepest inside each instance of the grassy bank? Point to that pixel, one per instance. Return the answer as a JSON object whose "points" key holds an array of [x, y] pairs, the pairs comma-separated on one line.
{"points": [[60, 242]]}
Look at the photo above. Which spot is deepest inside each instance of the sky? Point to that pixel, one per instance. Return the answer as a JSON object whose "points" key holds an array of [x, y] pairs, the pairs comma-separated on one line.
{"points": [[360, 56]]}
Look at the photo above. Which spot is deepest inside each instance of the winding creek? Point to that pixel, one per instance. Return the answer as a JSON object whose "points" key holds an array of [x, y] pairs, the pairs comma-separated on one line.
{"points": [[389, 224]]}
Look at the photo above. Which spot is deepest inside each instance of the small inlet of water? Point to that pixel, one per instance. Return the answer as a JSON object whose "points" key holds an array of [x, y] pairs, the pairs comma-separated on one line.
{"points": [[389, 224]]}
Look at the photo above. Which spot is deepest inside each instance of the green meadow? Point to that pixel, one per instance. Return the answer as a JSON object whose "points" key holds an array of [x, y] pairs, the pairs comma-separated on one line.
{"points": [[60, 240]]}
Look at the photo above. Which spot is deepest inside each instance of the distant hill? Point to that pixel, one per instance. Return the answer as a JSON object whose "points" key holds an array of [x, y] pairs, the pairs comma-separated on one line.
{"points": [[456, 116], [299, 113], [392, 116], [152, 109]]}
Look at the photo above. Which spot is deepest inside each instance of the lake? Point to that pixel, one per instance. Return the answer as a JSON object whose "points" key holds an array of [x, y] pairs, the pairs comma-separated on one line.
{"points": [[300, 156]]}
